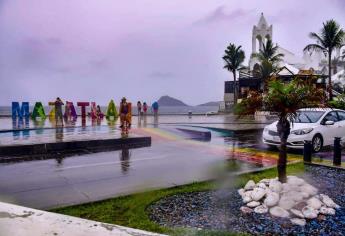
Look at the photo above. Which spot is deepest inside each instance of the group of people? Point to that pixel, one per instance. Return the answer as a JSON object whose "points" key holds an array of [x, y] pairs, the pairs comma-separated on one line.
{"points": [[142, 108], [125, 111]]}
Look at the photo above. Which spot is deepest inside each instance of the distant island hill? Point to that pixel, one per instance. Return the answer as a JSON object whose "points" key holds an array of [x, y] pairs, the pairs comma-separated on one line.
{"points": [[167, 101]]}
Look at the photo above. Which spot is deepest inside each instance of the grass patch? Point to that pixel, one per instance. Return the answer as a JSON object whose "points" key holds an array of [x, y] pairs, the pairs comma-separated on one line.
{"points": [[131, 210]]}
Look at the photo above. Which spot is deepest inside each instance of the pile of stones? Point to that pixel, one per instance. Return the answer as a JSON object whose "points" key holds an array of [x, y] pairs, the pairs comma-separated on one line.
{"points": [[295, 199]]}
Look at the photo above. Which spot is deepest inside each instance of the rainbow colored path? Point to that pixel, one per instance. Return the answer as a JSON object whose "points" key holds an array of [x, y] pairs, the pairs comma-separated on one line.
{"points": [[250, 155]]}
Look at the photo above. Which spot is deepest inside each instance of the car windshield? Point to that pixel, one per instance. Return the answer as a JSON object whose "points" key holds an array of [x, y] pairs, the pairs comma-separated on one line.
{"points": [[308, 116]]}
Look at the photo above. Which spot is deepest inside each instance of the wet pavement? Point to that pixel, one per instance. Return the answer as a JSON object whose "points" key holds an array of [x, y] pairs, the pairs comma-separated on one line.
{"points": [[175, 157]]}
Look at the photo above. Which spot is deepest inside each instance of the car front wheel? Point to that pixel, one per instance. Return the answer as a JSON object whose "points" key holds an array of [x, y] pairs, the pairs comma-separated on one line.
{"points": [[317, 143]]}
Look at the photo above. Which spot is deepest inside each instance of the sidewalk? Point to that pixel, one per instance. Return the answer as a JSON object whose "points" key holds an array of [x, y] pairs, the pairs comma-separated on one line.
{"points": [[18, 221]]}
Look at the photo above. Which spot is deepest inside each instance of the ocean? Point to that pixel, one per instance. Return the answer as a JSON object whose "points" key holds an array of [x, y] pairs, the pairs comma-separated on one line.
{"points": [[167, 110]]}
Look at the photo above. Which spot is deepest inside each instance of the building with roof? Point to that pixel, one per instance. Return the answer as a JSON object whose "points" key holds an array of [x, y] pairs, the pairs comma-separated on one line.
{"points": [[292, 65]]}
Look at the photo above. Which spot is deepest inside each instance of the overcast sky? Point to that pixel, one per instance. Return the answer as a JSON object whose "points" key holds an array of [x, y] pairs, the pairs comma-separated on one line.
{"points": [[95, 50]]}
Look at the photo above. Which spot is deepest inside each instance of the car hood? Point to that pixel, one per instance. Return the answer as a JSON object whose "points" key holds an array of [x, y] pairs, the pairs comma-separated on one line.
{"points": [[294, 126]]}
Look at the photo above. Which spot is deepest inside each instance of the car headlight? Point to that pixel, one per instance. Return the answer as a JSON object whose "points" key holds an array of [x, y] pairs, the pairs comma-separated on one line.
{"points": [[302, 131]]}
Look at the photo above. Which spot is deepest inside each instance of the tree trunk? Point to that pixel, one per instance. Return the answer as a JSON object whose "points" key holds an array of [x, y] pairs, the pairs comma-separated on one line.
{"points": [[330, 75], [283, 128], [235, 88]]}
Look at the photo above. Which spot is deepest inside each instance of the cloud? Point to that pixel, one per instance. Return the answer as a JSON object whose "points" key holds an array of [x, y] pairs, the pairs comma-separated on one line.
{"points": [[220, 14]]}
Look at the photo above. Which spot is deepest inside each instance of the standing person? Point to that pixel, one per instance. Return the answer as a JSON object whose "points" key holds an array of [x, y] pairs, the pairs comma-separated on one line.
{"points": [[155, 107], [124, 111], [144, 108], [58, 110], [139, 108]]}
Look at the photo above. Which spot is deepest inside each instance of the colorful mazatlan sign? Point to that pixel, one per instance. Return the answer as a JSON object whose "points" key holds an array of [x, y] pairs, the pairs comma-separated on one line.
{"points": [[70, 111], [111, 111], [20, 111], [38, 111]]}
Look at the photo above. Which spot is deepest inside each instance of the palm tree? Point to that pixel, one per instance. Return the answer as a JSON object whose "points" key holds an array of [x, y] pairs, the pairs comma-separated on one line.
{"points": [[269, 53], [233, 58], [284, 99], [269, 59], [332, 36]]}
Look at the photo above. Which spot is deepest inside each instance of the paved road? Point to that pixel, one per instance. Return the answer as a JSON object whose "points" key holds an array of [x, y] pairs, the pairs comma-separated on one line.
{"points": [[171, 160]]}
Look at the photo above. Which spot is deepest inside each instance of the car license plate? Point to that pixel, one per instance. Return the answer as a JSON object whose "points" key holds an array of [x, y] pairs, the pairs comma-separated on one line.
{"points": [[276, 138]]}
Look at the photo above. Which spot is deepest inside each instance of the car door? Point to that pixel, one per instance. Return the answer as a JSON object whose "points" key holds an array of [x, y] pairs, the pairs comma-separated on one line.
{"points": [[328, 132], [341, 123]]}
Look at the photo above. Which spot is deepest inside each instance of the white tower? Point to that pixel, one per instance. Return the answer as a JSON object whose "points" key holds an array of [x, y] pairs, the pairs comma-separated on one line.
{"points": [[261, 32]]}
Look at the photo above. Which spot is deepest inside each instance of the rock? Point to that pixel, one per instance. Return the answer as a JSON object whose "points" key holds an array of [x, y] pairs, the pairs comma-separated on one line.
{"points": [[328, 201], [249, 185], [293, 195], [262, 185], [299, 206], [309, 212], [246, 199], [246, 210], [311, 190], [265, 181], [253, 204], [258, 193], [293, 180], [275, 186], [297, 221], [327, 211], [241, 192], [272, 199], [286, 203], [286, 187], [262, 209], [297, 213], [304, 194], [314, 203], [279, 212]]}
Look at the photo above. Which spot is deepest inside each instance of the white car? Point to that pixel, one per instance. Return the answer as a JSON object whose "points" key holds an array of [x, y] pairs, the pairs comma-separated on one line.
{"points": [[318, 125]]}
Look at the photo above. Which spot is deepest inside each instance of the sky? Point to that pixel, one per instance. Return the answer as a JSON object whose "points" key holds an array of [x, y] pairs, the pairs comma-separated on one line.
{"points": [[88, 50]]}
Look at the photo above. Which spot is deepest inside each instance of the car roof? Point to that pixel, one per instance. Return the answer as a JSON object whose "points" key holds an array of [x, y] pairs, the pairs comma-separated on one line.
{"points": [[320, 109]]}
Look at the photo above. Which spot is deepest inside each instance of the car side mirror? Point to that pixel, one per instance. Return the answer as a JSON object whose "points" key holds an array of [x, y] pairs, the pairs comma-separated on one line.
{"points": [[329, 122]]}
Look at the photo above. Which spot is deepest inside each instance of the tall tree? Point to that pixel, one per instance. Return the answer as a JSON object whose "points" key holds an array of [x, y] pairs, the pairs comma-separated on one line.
{"points": [[331, 37], [233, 58], [285, 99], [269, 59]]}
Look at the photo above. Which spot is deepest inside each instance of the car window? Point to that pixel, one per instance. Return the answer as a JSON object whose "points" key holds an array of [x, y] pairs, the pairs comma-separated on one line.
{"points": [[332, 116], [308, 116], [341, 115]]}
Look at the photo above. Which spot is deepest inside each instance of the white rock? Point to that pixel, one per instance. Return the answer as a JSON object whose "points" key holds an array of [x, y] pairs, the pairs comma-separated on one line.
{"points": [[327, 211], [311, 190], [265, 181], [246, 210], [297, 213], [279, 212], [261, 209], [249, 185], [258, 193], [272, 199], [297, 221], [241, 192], [275, 186], [328, 201], [314, 203], [309, 212], [261, 185], [246, 199], [286, 203], [253, 204], [304, 194], [293, 180]]}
